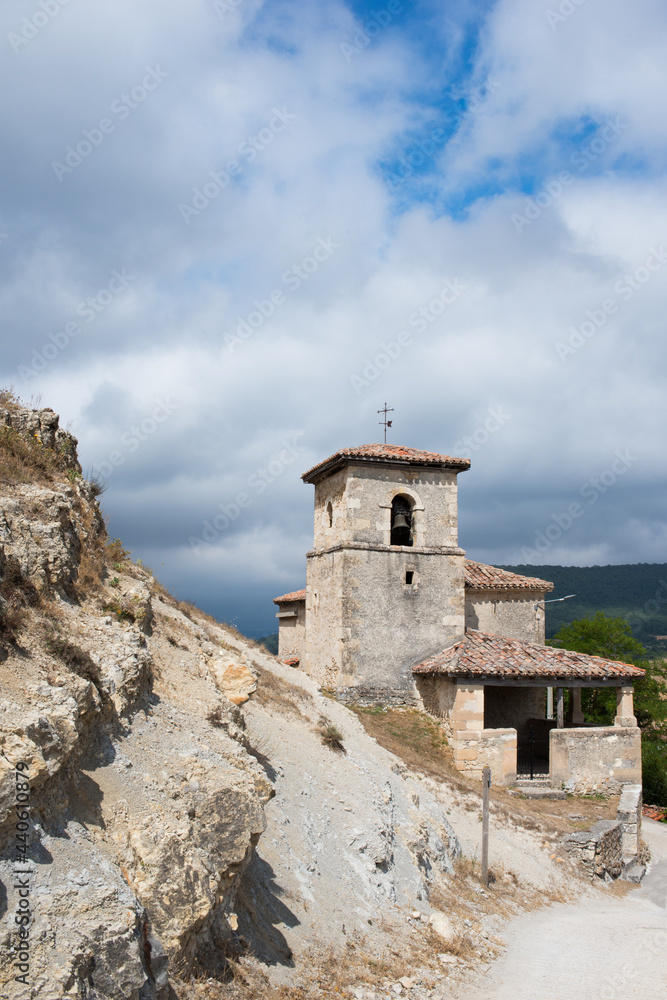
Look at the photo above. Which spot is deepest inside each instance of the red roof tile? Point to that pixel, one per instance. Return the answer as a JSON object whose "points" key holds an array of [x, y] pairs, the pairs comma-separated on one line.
{"points": [[383, 453], [296, 595], [482, 655], [478, 576]]}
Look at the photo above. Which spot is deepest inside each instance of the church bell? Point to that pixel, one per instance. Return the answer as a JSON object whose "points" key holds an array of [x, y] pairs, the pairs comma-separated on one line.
{"points": [[401, 521]]}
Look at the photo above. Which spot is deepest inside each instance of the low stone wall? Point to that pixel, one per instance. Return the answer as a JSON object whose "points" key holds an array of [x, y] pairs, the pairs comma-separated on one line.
{"points": [[599, 850], [494, 748], [611, 847], [602, 759]]}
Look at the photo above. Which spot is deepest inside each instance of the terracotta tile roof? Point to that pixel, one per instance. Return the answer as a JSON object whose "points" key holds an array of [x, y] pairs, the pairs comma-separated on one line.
{"points": [[478, 576], [393, 453], [296, 595], [482, 655]]}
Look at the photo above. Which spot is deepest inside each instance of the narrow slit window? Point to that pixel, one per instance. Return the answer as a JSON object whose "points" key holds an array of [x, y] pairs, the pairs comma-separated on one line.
{"points": [[409, 575], [329, 515]]}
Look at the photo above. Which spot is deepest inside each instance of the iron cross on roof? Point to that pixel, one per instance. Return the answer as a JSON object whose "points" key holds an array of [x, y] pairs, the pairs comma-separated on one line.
{"points": [[385, 423]]}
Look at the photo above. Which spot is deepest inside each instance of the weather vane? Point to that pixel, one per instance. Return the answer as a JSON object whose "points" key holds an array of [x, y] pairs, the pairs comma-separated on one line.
{"points": [[385, 423]]}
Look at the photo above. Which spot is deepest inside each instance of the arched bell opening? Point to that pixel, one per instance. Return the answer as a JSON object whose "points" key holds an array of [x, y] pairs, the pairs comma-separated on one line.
{"points": [[401, 520], [329, 515]]}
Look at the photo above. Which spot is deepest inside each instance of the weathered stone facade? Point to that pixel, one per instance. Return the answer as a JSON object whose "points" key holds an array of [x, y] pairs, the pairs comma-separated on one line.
{"points": [[517, 615], [292, 629], [373, 608]]}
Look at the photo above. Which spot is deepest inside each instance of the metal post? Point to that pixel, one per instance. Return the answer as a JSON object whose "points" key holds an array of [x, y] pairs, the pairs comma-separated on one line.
{"points": [[560, 710], [531, 746], [486, 784]]}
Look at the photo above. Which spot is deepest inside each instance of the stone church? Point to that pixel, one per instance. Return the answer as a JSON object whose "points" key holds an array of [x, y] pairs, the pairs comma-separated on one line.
{"points": [[393, 613]]}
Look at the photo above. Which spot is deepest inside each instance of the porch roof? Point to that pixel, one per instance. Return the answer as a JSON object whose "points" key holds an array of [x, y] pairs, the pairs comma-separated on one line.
{"points": [[482, 655]]}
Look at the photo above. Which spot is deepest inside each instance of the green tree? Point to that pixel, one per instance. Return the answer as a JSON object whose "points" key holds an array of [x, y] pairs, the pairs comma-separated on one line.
{"points": [[601, 635]]}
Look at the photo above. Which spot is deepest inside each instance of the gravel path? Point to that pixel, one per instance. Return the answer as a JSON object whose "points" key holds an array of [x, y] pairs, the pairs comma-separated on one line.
{"points": [[602, 948]]}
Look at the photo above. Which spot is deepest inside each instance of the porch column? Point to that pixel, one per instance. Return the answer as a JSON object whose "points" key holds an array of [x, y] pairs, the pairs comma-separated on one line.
{"points": [[577, 714], [624, 707], [560, 709], [550, 703], [467, 722]]}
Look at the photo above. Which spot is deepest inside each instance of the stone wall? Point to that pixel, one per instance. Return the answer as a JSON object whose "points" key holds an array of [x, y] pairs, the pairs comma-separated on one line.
{"points": [[366, 626], [438, 694], [292, 631], [494, 748], [508, 614], [599, 850], [600, 759], [612, 847], [513, 706], [325, 632]]}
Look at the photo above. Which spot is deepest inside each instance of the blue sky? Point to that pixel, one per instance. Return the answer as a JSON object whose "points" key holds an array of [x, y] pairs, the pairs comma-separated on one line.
{"points": [[216, 215]]}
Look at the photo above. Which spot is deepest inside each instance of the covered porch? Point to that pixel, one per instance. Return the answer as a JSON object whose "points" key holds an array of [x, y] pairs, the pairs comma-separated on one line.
{"points": [[494, 697]]}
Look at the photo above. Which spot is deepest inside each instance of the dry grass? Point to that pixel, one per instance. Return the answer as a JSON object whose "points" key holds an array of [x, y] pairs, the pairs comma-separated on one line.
{"points": [[26, 460], [275, 693], [412, 951], [93, 565], [419, 741], [330, 735], [17, 596]]}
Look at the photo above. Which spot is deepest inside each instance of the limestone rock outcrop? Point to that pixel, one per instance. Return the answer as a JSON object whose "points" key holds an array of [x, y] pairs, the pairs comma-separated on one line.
{"points": [[144, 806]]}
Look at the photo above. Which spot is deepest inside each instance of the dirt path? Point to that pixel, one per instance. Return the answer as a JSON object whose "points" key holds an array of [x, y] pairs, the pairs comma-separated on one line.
{"points": [[602, 948]]}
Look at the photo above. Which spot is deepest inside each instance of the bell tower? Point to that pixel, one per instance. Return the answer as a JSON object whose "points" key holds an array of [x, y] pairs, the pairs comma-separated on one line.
{"points": [[384, 580]]}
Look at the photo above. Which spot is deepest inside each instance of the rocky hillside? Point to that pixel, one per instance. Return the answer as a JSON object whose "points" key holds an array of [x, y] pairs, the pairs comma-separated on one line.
{"points": [[154, 832]]}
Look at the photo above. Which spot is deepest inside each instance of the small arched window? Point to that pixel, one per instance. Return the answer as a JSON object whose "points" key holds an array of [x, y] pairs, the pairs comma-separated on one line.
{"points": [[401, 520], [329, 515]]}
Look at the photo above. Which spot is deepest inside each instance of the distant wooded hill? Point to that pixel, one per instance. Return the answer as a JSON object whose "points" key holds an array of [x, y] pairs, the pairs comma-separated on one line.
{"points": [[636, 592]]}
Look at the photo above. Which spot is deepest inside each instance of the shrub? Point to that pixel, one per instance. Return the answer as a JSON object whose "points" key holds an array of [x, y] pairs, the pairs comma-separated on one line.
{"points": [[216, 716], [9, 399], [654, 769], [96, 483], [117, 554], [330, 735]]}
